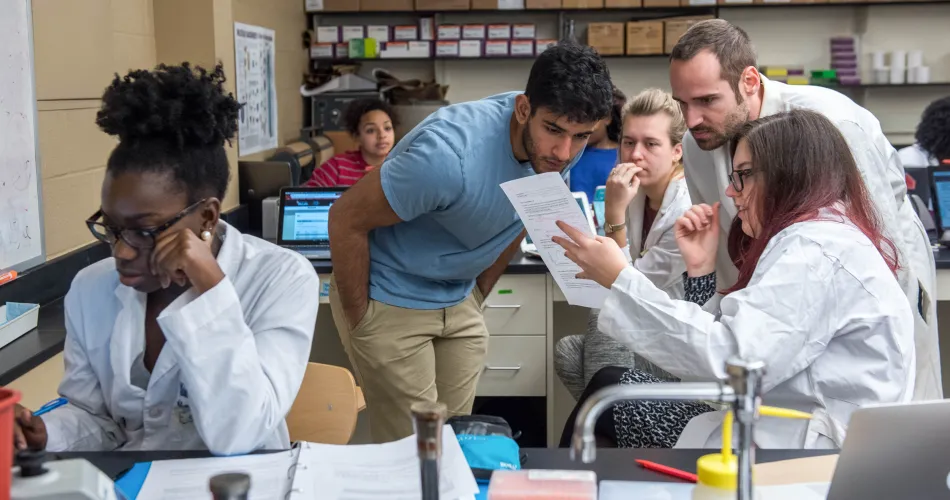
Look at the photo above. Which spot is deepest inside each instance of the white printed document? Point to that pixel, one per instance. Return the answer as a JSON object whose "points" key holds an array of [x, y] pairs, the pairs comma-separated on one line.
{"points": [[320, 472], [542, 200], [381, 471], [169, 479]]}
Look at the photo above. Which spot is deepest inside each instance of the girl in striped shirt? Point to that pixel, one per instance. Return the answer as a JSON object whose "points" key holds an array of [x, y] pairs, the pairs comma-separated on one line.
{"points": [[371, 122]]}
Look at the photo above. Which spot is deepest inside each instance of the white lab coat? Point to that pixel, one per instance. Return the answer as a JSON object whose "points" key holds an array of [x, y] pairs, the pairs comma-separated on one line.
{"points": [[227, 376], [915, 156], [822, 310], [660, 261], [707, 175]]}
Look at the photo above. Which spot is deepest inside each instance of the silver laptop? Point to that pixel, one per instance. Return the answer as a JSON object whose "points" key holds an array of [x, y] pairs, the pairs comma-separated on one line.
{"points": [[895, 452], [304, 220]]}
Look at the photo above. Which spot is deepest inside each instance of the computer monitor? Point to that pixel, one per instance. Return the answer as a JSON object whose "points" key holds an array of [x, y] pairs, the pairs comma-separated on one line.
{"points": [[940, 197], [304, 216]]}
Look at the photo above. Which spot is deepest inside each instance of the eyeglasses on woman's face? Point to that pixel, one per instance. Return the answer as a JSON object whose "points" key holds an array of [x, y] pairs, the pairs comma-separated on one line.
{"points": [[138, 238], [737, 178]]}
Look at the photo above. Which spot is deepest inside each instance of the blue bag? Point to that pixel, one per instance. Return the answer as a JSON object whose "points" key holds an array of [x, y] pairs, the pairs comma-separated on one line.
{"points": [[487, 443]]}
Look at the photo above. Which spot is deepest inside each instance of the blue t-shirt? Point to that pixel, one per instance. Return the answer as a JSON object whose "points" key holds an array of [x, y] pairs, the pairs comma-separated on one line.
{"points": [[443, 180], [592, 170]]}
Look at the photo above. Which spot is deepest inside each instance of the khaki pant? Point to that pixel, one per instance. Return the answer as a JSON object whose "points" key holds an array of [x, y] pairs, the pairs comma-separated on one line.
{"points": [[402, 356]]}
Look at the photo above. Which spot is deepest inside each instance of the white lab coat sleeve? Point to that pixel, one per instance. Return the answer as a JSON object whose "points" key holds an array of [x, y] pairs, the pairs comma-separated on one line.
{"points": [[243, 378], [85, 423], [782, 318], [662, 264]]}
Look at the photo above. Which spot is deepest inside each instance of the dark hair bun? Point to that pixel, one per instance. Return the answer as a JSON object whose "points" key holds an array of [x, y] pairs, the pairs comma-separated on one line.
{"points": [[183, 106]]}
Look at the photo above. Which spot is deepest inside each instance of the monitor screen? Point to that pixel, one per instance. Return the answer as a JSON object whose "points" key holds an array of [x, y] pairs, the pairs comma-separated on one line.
{"points": [[941, 179], [307, 216]]}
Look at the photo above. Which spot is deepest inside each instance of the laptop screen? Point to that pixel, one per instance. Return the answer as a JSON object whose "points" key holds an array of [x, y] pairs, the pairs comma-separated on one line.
{"points": [[941, 189], [306, 216]]}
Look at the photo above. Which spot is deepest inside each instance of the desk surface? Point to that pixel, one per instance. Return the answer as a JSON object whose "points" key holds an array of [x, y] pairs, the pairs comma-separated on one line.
{"points": [[518, 265], [611, 464], [32, 349]]}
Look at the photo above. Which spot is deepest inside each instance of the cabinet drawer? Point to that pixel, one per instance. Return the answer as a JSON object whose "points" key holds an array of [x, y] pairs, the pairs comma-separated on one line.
{"points": [[517, 306], [515, 366]]}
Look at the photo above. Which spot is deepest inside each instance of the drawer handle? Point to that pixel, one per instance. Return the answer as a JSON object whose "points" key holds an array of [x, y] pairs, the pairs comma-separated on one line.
{"points": [[501, 306], [503, 368]]}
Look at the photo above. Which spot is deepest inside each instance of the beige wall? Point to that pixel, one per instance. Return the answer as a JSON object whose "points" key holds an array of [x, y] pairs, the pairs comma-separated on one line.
{"points": [[71, 39], [288, 20]]}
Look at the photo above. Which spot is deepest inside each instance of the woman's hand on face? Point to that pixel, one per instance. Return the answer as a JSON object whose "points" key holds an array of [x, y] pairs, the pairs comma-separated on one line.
{"points": [[29, 432], [181, 257], [622, 187], [697, 235], [600, 258]]}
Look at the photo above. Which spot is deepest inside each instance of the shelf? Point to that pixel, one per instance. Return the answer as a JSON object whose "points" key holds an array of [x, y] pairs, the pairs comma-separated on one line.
{"points": [[641, 9], [499, 58], [887, 86]]}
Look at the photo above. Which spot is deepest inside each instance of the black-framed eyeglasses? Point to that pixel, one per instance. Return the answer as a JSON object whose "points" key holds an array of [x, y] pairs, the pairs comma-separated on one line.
{"points": [[737, 178], [140, 238]]}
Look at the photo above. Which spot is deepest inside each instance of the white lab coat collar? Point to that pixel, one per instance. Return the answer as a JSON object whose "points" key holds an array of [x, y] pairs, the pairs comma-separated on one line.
{"points": [[772, 102], [635, 213]]}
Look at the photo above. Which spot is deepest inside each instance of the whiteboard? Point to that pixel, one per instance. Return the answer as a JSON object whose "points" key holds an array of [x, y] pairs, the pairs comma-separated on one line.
{"points": [[21, 216]]}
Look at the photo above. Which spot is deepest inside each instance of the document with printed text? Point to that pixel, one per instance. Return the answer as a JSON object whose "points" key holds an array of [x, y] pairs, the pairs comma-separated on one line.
{"points": [[541, 201]]}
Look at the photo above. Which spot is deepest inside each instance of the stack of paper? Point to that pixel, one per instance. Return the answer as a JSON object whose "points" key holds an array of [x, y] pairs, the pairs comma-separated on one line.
{"points": [[391, 471], [318, 471]]}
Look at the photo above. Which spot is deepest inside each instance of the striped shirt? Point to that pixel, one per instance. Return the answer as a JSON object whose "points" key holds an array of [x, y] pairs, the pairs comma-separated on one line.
{"points": [[343, 169]]}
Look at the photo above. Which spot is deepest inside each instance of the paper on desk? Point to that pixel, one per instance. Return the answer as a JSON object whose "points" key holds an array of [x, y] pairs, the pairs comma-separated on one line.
{"points": [[172, 479], [541, 201], [378, 471], [626, 490]]}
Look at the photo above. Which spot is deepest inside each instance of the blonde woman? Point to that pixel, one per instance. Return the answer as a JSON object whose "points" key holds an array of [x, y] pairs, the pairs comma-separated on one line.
{"points": [[646, 193]]}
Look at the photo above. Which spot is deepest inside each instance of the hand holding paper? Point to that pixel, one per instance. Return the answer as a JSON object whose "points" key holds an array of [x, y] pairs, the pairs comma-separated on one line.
{"points": [[601, 259], [541, 201]]}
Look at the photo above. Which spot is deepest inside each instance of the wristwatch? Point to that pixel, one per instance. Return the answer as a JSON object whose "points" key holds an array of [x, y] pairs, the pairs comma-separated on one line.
{"points": [[613, 228]]}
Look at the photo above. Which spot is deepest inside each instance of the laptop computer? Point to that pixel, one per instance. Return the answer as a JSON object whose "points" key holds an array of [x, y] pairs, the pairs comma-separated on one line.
{"points": [[940, 198], [303, 220], [530, 249], [895, 451]]}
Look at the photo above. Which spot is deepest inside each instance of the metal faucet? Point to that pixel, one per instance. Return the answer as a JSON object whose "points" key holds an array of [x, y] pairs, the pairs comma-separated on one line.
{"points": [[741, 389]]}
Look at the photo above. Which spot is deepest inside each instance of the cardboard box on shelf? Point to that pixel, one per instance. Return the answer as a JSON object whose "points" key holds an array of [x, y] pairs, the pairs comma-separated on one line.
{"points": [[661, 3], [386, 5], [405, 33], [447, 48], [542, 4], [496, 48], [449, 32], [582, 4], [542, 44], [606, 38], [674, 28], [470, 48], [473, 32], [522, 48], [353, 32], [499, 31], [332, 5], [497, 4], [622, 4], [437, 5], [644, 38]]}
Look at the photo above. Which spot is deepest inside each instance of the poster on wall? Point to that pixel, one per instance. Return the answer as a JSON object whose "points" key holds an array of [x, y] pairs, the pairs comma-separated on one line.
{"points": [[254, 63]]}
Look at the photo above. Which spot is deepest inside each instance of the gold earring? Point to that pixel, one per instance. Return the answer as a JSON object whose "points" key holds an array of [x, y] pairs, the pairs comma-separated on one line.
{"points": [[206, 235]]}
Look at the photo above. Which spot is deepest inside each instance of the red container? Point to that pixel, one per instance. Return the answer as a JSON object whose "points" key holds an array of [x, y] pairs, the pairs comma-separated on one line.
{"points": [[8, 398]]}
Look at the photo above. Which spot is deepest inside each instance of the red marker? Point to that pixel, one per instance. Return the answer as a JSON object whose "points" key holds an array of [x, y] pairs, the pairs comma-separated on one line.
{"points": [[669, 471], [7, 277]]}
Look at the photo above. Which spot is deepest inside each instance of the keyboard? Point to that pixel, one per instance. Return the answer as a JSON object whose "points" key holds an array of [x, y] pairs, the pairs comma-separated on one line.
{"points": [[313, 252]]}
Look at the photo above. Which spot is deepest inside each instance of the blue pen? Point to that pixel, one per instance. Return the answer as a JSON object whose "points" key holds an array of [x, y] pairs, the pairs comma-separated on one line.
{"points": [[52, 405]]}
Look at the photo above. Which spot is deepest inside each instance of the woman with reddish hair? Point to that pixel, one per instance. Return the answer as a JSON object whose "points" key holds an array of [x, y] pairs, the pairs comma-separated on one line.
{"points": [[817, 299]]}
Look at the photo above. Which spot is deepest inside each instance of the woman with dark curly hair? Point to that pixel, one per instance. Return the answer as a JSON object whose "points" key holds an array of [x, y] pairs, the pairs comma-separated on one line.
{"points": [[193, 335], [370, 122], [933, 137]]}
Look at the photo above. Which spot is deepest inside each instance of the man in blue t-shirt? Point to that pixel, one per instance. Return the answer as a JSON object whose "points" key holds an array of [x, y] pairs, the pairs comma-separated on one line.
{"points": [[418, 243]]}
